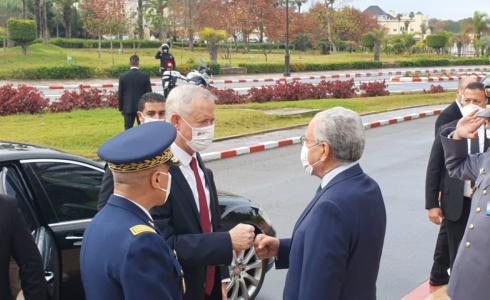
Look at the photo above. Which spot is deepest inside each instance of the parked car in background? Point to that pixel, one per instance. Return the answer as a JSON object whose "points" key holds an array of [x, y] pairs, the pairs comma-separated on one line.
{"points": [[57, 192]]}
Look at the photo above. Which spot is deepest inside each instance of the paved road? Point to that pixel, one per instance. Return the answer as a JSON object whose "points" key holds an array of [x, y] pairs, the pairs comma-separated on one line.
{"points": [[395, 156]]}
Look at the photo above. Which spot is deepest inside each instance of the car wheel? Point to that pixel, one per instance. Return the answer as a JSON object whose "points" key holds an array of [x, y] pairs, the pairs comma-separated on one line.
{"points": [[247, 273]]}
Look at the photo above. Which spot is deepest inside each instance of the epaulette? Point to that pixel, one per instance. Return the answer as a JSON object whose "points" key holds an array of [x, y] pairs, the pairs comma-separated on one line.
{"points": [[137, 229]]}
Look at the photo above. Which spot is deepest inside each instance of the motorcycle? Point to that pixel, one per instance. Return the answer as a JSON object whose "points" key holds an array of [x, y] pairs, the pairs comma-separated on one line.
{"points": [[199, 77]]}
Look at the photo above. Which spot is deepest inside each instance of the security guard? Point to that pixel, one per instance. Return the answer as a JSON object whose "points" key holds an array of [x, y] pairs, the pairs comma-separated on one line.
{"points": [[123, 256], [470, 274]]}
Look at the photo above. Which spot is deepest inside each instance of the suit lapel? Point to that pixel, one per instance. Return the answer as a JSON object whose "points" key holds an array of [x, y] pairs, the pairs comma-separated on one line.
{"points": [[181, 182], [355, 170]]}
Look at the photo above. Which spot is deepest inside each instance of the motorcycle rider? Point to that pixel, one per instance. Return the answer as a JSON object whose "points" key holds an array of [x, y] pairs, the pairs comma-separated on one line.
{"points": [[167, 60]]}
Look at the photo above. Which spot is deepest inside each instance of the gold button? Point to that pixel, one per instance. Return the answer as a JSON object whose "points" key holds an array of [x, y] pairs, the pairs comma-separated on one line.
{"points": [[478, 209], [484, 192], [472, 226], [467, 244]]}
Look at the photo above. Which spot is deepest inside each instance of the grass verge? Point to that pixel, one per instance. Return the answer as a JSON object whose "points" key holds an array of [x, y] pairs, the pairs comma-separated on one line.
{"points": [[81, 132]]}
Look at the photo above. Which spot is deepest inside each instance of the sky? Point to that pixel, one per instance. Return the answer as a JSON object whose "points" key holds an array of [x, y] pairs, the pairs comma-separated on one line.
{"points": [[440, 9]]}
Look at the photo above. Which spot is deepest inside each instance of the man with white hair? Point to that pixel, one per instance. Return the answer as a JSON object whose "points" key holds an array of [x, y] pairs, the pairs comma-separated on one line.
{"points": [[190, 221], [336, 244]]}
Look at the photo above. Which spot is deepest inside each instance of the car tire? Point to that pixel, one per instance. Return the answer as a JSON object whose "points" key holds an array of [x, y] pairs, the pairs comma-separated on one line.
{"points": [[247, 274]]}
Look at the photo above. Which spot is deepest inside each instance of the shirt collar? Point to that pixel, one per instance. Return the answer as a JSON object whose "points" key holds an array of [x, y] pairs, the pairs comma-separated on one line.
{"points": [[330, 175], [181, 155], [137, 204], [135, 68]]}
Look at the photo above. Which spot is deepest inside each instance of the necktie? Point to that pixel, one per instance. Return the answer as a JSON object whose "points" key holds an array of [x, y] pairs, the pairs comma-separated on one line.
{"points": [[205, 222]]}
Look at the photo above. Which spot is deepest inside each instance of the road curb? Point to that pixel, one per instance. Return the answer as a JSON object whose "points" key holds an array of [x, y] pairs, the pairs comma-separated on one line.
{"points": [[433, 78], [235, 81], [234, 152]]}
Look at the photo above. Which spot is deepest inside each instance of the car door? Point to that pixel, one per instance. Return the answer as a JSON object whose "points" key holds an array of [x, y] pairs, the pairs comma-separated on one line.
{"points": [[14, 185], [69, 190]]}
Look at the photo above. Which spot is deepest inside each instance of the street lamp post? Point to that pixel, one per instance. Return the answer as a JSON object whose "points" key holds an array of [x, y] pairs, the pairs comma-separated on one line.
{"points": [[287, 71]]}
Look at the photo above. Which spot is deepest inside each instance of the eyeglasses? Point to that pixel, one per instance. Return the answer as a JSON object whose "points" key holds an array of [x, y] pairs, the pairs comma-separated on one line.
{"points": [[303, 140]]}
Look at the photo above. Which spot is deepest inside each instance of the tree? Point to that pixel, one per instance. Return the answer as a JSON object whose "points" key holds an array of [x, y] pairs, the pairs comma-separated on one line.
{"points": [[437, 41], [329, 5], [22, 32], [462, 39], [485, 44], [212, 38], [378, 37], [351, 24], [140, 20], [424, 28], [155, 13], [67, 8], [480, 25]]}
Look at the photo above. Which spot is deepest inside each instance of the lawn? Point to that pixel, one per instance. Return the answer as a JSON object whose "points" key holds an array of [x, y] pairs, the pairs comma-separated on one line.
{"points": [[51, 55], [81, 132]]}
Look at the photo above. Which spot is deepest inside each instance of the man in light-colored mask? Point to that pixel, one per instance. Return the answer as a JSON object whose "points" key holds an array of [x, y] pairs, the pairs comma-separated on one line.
{"points": [[151, 108], [336, 245], [190, 220]]}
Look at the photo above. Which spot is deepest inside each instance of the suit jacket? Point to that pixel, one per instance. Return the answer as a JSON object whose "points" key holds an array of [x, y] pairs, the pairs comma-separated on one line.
{"points": [[132, 85], [336, 245], [470, 274], [449, 114], [178, 221], [17, 242], [123, 256]]}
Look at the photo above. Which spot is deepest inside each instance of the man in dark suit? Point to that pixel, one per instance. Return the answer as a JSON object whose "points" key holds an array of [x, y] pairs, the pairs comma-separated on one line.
{"points": [[122, 255], [336, 245], [16, 242], [434, 181], [132, 85], [190, 221]]}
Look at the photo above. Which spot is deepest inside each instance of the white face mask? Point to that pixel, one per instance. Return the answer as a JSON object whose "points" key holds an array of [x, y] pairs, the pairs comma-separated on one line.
{"points": [[149, 120], [169, 185], [469, 108], [304, 159], [202, 137]]}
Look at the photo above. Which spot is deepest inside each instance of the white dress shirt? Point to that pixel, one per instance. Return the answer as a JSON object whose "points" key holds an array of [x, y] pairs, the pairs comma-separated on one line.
{"points": [[331, 175], [185, 168], [137, 204]]}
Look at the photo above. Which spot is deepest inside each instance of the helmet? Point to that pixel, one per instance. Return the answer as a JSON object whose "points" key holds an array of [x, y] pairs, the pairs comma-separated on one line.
{"points": [[164, 47]]}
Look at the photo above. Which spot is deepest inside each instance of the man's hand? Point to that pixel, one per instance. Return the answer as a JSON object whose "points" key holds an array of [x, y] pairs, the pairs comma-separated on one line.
{"points": [[266, 246], [224, 294], [242, 237], [435, 215], [467, 127]]}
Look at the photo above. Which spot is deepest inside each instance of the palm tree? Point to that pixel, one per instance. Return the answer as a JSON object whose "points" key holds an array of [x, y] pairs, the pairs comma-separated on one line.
{"points": [[329, 5], [67, 8], [378, 38], [481, 24], [462, 39]]}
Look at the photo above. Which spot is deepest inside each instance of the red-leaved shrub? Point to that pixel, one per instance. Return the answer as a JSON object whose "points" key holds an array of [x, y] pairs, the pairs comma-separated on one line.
{"points": [[84, 98], [341, 89], [23, 99], [435, 89], [373, 89], [228, 96]]}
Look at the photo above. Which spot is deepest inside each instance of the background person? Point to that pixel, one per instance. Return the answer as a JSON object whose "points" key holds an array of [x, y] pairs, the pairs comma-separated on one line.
{"points": [[167, 60], [132, 85], [16, 242], [435, 180], [336, 245], [151, 108]]}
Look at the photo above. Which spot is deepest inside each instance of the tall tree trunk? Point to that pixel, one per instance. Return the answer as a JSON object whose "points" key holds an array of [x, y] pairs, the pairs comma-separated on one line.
{"points": [[190, 24], [99, 44], [67, 16], [377, 51], [329, 30], [37, 12], [112, 49], [141, 33], [44, 21], [24, 13]]}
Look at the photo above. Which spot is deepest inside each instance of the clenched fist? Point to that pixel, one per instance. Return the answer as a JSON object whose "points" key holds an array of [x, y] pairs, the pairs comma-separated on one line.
{"points": [[266, 246], [242, 237]]}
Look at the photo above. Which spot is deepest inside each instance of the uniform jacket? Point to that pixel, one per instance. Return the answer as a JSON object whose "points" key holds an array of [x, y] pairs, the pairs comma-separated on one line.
{"points": [[124, 257], [470, 275], [336, 245], [179, 221], [165, 58], [16, 242], [132, 85]]}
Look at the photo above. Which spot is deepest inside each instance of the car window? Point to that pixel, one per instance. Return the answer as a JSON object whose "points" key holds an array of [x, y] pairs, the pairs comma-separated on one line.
{"points": [[72, 188], [12, 186]]}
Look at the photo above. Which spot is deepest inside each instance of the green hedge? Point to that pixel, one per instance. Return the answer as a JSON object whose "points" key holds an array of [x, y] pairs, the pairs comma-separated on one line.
{"points": [[85, 43], [278, 68], [63, 72], [444, 62]]}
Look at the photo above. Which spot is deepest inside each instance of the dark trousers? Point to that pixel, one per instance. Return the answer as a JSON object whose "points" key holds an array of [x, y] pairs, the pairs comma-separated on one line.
{"points": [[441, 252], [455, 230], [129, 120]]}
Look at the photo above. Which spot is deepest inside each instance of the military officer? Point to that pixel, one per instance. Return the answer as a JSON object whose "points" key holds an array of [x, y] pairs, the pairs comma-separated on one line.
{"points": [[123, 256], [470, 274]]}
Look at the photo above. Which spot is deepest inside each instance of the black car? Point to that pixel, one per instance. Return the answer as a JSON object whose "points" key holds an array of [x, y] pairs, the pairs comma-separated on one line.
{"points": [[57, 193]]}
